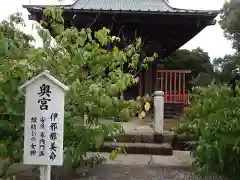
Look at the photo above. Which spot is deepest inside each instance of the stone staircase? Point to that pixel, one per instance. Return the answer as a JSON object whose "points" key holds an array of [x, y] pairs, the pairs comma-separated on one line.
{"points": [[173, 110], [148, 143], [139, 138]]}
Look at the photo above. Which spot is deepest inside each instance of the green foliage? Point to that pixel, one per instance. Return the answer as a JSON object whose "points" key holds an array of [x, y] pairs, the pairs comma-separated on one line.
{"points": [[230, 22], [14, 45], [225, 66], [124, 109], [213, 119], [196, 61], [80, 59]]}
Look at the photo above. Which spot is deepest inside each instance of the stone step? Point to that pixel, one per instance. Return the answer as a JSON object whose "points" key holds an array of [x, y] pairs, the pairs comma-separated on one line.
{"points": [[177, 142], [172, 116], [184, 145], [146, 137], [173, 107], [173, 110], [139, 148], [172, 113]]}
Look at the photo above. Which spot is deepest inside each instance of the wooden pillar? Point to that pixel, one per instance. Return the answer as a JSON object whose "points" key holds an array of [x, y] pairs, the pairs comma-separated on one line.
{"points": [[162, 79], [145, 82], [170, 81], [175, 86], [140, 89], [158, 81], [179, 86], [166, 86], [184, 98], [155, 80], [150, 74]]}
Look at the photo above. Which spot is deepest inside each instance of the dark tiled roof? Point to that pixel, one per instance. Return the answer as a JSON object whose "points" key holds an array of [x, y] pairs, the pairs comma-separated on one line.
{"points": [[133, 5], [138, 6], [125, 5]]}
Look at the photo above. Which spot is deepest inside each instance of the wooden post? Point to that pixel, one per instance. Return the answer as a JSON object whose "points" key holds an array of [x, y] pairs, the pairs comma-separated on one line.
{"points": [[179, 86], [162, 78], [166, 86], [140, 84], [184, 97], [42, 172], [170, 85], [158, 111], [150, 90], [175, 86]]}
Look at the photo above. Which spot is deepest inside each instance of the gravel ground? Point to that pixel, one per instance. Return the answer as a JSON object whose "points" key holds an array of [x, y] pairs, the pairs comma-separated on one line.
{"points": [[117, 172], [113, 172]]}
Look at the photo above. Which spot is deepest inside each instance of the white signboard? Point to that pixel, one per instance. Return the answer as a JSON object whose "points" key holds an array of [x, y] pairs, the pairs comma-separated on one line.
{"points": [[44, 121]]}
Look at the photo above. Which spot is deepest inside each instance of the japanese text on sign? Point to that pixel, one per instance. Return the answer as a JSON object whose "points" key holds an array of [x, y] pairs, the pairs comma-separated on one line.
{"points": [[53, 135], [44, 96], [42, 140], [33, 137]]}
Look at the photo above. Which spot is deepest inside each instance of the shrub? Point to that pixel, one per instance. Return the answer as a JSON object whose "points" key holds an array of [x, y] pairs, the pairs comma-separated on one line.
{"points": [[213, 118]]}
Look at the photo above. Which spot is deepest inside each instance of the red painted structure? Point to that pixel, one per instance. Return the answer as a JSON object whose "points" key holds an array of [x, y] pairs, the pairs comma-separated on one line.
{"points": [[173, 84]]}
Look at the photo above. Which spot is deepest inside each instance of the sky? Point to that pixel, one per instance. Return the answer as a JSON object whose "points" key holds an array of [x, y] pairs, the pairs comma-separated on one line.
{"points": [[211, 39]]}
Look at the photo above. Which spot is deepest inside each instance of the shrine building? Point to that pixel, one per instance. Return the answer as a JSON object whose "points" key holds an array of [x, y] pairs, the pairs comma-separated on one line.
{"points": [[163, 28]]}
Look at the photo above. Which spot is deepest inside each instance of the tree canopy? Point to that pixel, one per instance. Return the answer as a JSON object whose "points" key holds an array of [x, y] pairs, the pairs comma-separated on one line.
{"points": [[224, 67], [230, 23], [196, 60]]}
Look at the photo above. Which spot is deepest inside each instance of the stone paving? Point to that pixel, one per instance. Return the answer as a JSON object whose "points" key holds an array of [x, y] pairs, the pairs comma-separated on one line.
{"points": [[129, 167], [114, 172], [126, 172], [178, 159], [138, 125], [146, 125]]}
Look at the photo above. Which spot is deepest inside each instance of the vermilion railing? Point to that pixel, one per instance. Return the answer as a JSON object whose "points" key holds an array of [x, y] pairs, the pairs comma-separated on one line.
{"points": [[172, 83], [177, 97]]}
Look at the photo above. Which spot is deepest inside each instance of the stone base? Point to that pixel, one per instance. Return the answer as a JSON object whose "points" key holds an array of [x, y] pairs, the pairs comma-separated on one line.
{"points": [[177, 142], [139, 148]]}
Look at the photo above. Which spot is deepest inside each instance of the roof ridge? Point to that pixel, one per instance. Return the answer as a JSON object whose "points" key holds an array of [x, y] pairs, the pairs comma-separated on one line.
{"points": [[152, 6], [195, 10], [186, 9], [74, 3], [165, 1], [168, 4]]}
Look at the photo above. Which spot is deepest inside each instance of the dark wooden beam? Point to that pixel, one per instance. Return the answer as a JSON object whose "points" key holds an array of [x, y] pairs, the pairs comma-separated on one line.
{"points": [[134, 19], [163, 35]]}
